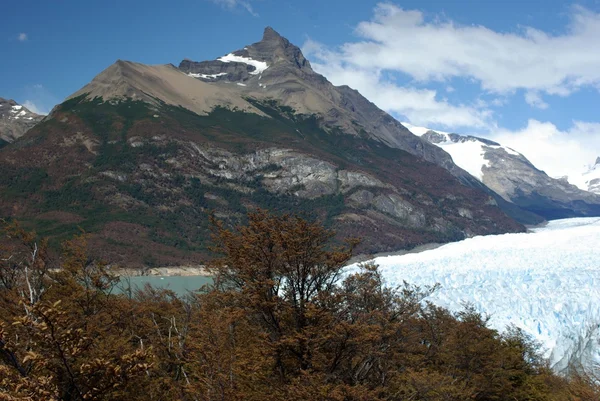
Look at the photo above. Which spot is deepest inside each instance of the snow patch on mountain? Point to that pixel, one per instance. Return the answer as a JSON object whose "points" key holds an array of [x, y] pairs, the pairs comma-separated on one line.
{"points": [[546, 282], [468, 152], [589, 180], [206, 76], [469, 156], [260, 66]]}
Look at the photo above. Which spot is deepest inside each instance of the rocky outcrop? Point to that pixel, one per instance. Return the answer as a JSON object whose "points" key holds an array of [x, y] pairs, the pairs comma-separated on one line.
{"points": [[15, 120]]}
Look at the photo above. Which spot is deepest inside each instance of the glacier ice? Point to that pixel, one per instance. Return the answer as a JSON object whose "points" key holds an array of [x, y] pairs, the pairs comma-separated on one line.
{"points": [[546, 281]]}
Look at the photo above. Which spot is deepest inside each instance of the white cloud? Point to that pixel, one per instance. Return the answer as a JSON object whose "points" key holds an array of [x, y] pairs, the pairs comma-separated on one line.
{"points": [[419, 106], [439, 49], [34, 108], [557, 152], [22, 37], [534, 99], [235, 4]]}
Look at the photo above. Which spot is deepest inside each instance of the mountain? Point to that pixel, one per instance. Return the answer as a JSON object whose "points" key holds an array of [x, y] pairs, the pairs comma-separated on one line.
{"points": [[590, 179], [276, 69], [513, 176], [143, 154], [15, 120]]}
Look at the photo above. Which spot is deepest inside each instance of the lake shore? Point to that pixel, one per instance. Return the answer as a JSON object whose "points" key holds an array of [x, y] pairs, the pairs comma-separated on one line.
{"points": [[200, 270], [168, 271]]}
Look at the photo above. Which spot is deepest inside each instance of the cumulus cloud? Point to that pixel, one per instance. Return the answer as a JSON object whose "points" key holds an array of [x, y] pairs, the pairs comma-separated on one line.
{"points": [[437, 49], [419, 106], [236, 4], [22, 37], [557, 152]]}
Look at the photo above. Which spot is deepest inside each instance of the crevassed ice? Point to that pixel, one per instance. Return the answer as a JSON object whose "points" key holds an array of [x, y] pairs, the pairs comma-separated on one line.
{"points": [[547, 282], [259, 66]]}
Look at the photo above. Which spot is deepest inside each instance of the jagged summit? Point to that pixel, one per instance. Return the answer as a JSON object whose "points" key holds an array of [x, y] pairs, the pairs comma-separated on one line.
{"points": [[278, 49], [272, 56], [271, 34]]}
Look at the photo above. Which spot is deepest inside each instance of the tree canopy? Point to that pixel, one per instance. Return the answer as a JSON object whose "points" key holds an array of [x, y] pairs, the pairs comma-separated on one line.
{"points": [[282, 321]]}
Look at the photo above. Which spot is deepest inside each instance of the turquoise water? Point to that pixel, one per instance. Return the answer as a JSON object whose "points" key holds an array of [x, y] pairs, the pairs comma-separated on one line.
{"points": [[181, 285]]}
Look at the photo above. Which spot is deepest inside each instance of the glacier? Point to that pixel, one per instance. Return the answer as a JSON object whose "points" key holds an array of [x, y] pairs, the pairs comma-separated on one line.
{"points": [[545, 281]]}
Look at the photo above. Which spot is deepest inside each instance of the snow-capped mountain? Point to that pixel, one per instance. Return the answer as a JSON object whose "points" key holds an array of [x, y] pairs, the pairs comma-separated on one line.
{"points": [[511, 175], [15, 120], [590, 179], [545, 282]]}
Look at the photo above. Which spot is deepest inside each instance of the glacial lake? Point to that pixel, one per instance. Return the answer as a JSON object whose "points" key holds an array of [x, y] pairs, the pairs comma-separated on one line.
{"points": [[181, 285]]}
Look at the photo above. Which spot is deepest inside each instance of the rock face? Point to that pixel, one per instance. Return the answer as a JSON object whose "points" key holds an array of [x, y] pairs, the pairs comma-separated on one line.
{"points": [[516, 179], [142, 155], [15, 120]]}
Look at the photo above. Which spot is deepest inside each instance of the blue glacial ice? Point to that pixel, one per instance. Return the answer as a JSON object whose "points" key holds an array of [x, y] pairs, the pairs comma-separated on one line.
{"points": [[546, 282]]}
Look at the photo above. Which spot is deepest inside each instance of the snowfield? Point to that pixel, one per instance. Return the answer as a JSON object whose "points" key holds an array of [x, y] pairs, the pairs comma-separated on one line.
{"points": [[546, 282], [259, 66]]}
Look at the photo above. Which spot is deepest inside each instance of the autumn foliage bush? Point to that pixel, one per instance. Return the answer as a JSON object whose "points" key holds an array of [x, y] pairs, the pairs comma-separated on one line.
{"points": [[280, 322]]}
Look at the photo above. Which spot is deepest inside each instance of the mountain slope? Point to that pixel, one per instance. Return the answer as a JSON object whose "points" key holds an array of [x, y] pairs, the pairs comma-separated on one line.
{"points": [[15, 120], [141, 156], [157, 84], [512, 176]]}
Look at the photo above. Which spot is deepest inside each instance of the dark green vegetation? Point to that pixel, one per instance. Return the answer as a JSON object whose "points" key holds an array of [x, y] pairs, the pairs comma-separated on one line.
{"points": [[277, 324], [129, 173]]}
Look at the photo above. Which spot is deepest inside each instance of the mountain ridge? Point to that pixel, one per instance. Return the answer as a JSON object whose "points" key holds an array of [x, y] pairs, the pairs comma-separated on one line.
{"points": [[511, 175]]}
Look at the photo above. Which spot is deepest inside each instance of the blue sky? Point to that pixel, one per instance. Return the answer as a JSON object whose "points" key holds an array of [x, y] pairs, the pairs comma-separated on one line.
{"points": [[517, 71]]}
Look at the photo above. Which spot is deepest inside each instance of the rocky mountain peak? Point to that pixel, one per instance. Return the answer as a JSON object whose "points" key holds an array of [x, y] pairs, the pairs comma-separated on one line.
{"points": [[15, 120], [278, 49], [273, 56], [597, 161], [271, 34]]}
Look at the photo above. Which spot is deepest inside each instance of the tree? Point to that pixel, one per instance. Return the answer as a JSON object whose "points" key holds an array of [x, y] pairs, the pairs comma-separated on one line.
{"points": [[283, 321]]}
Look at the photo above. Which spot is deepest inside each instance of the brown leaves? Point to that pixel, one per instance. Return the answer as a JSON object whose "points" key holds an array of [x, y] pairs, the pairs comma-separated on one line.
{"points": [[279, 324]]}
